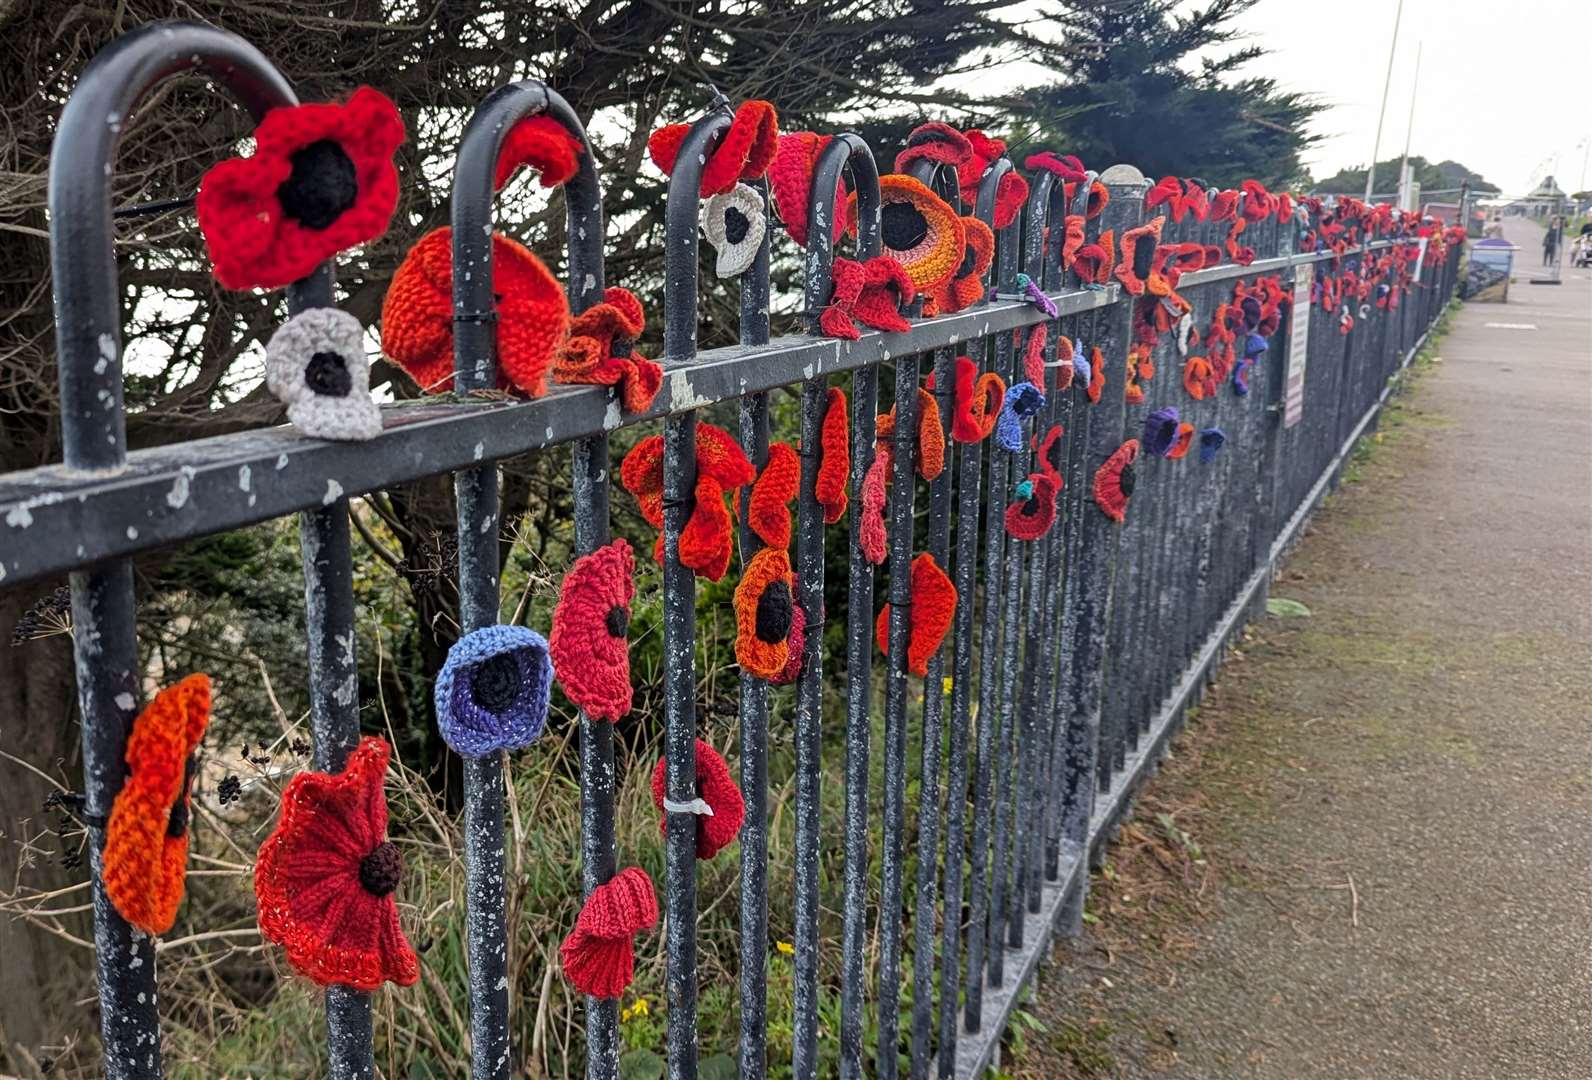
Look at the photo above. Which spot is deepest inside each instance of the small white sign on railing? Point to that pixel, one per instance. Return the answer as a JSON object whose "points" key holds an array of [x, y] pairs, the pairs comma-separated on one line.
{"points": [[1298, 346]]}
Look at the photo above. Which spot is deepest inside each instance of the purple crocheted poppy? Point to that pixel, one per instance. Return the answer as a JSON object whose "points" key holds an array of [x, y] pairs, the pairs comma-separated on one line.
{"points": [[1160, 431], [492, 692]]}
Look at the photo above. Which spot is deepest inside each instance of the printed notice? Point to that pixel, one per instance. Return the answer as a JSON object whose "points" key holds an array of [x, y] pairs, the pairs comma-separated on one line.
{"points": [[1293, 405]]}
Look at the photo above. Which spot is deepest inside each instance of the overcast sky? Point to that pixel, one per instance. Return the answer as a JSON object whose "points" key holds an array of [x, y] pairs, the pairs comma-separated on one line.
{"points": [[1505, 87]]}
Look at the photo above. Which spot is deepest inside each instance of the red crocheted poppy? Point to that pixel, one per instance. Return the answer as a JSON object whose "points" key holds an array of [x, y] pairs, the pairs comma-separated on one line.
{"points": [[1190, 256], [931, 435], [966, 287], [1011, 192], [417, 314], [1284, 205], [1099, 199], [1113, 481], [919, 229], [1199, 378], [1224, 206], [1033, 512], [977, 401], [1072, 241], [933, 608], [796, 641], [768, 507], [601, 350], [1239, 253], [970, 172], [790, 182], [1137, 258], [1258, 203], [1034, 355], [765, 601], [1097, 375], [744, 153], [1067, 167], [935, 142], [1181, 443], [1048, 453], [1168, 191], [1092, 263], [717, 788], [707, 540], [589, 645], [886, 288], [320, 181], [834, 467], [540, 143], [599, 954], [1195, 199], [145, 860], [871, 535], [324, 879]]}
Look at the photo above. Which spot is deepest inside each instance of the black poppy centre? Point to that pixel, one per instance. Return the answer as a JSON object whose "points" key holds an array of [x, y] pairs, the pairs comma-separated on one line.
{"points": [[903, 226], [1126, 480], [322, 186], [736, 224], [380, 870], [327, 375], [617, 621], [774, 612], [177, 824], [496, 682]]}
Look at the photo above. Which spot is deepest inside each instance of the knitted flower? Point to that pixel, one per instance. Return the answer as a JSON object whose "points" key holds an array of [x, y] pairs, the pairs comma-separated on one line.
{"points": [[320, 181], [601, 349], [1181, 442], [871, 534], [315, 365], [706, 541], [493, 689], [765, 601], [931, 435], [1168, 192], [966, 287], [1160, 431], [933, 608], [790, 183], [1199, 378], [599, 954], [1211, 441], [768, 507], [871, 293], [540, 143], [1097, 377], [734, 224], [589, 646], [1066, 167], [744, 152], [1011, 191], [1113, 482], [1138, 256], [146, 839], [977, 401], [532, 314], [1033, 512], [1099, 199], [1022, 400], [1034, 355], [919, 229], [795, 641], [324, 879], [1072, 241], [834, 466], [716, 790], [1048, 453], [937, 142]]}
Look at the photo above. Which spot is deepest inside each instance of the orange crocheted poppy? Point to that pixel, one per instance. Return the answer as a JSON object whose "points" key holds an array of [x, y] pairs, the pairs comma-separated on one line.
{"points": [[1137, 258], [768, 506], [1182, 441], [765, 601], [933, 608], [1034, 355], [744, 153], [872, 536], [1064, 369], [589, 645], [919, 229], [1199, 378], [834, 467], [1113, 481], [146, 840], [531, 312], [1097, 375], [601, 350], [931, 435], [540, 143], [966, 287], [1099, 199], [977, 402], [1072, 241]]}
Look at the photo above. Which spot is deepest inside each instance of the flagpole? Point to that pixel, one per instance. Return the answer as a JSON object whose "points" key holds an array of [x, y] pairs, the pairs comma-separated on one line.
{"points": [[1376, 147]]}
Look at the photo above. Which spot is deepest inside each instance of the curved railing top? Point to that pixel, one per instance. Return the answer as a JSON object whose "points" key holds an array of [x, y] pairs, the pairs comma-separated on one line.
{"points": [[844, 151], [681, 242]]}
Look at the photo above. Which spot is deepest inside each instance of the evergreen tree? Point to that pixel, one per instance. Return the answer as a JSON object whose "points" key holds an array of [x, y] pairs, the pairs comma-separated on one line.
{"points": [[1443, 176]]}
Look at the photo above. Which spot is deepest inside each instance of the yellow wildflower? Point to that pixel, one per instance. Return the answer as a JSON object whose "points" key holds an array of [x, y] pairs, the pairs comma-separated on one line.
{"points": [[785, 947], [639, 1008]]}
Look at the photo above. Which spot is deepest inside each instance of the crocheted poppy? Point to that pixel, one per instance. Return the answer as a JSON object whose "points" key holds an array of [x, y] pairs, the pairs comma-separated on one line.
{"points": [[1011, 192], [1195, 199], [977, 401], [1048, 453], [320, 181], [599, 954], [589, 646], [1033, 512], [493, 690], [871, 535], [931, 435], [1160, 431], [706, 541], [919, 229], [315, 365], [717, 829], [145, 860], [1072, 242], [744, 153], [1211, 441], [601, 350], [1113, 481], [324, 879], [1239, 253], [1099, 199], [1181, 444], [1137, 258], [1199, 378], [764, 601], [1034, 355], [1167, 192], [935, 142], [871, 292], [1066, 353], [790, 182], [1097, 375], [768, 507], [1092, 263], [796, 641], [531, 311], [933, 608], [1022, 400], [734, 224], [1224, 206], [1258, 203], [540, 143], [834, 466], [966, 287], [1066, 167]]}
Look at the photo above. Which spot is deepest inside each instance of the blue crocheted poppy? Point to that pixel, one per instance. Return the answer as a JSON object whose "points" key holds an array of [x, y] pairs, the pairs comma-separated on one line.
{"points": [[1024, 399], [492, 692], [1211, 440]]}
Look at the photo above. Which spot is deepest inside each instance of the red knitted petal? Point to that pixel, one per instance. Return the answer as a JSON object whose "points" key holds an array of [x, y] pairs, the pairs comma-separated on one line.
{"points": [[870, 526], [718, 789], [663, 145], [707, 541], [834, 467], [592, 663], [934, 141], [543, 144], [965, 427], [720, 456], [768, 508], [1011, 192], [641, 474], [1034, 356], [598, 955], [933, 608]]}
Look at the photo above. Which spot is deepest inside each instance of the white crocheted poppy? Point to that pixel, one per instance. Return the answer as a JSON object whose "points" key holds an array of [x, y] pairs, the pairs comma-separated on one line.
{"points": [[734, 223], [315, 365]]}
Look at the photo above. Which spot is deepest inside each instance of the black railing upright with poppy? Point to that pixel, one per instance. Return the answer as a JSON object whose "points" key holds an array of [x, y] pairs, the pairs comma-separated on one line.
{"points": [[1058, 596]]}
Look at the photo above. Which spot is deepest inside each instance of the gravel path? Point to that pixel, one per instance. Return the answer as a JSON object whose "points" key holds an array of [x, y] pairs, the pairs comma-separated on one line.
{"points": [[1423, 735]]}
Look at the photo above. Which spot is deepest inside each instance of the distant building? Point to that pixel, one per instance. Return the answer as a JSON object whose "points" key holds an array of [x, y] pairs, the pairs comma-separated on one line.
{"points": [[1544, 200]]}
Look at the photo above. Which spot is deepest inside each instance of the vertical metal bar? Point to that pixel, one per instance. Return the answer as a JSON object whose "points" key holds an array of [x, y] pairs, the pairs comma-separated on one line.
{"points": [[754, 709], [679, 598], [843, 152], [94, 438]]}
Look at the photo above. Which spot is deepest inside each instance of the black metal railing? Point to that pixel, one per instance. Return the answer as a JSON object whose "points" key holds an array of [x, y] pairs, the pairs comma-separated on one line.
{"points": [[1071, 660]]}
